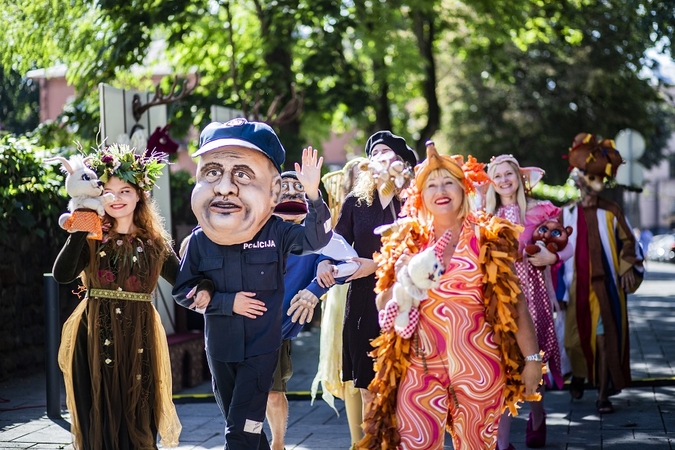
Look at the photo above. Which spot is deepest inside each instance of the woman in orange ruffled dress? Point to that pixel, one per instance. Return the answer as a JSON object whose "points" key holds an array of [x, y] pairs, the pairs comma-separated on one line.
{"points": [[464, 362]]}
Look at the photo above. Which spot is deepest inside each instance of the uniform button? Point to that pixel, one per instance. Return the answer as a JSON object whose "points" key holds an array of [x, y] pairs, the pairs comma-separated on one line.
{"points": [[262, 273]]}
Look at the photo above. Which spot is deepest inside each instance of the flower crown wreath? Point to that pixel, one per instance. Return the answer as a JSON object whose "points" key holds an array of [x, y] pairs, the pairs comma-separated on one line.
{"points": [[122, 161]]}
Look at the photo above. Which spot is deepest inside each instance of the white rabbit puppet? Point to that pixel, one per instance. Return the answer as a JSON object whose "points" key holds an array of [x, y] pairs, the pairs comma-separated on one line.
{"points": [[86, 193]]}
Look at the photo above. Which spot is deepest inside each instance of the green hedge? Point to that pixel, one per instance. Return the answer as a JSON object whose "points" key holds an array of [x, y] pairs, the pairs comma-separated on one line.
{"points": [[31, 192], [558, 195]]}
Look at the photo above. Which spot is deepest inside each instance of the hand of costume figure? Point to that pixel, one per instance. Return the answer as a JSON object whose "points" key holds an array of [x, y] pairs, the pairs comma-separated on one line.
{"points": [[628, 280], [246, 305], [302, 306], [531, 377], [324, 274], [366, 267], [310, 172], [402, 260], [201, 299], [382, 298], [543, 258]]}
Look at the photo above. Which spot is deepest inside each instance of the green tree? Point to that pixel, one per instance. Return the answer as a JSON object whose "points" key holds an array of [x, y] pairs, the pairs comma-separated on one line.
{"points": [[531, 102], [19, 102], [499, 75]]}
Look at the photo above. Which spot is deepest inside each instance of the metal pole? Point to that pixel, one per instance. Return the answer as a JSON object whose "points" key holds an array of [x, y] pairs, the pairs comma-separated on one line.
{"points": [[52, 339]]}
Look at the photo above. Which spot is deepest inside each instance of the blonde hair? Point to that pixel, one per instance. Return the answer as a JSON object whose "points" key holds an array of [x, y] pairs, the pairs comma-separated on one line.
{"points": [[365, 187], [348, 177], [493, 200], [464, 209]]}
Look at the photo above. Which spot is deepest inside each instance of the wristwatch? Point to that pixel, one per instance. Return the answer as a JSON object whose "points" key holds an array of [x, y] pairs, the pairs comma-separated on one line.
{"points": [[534, 357]]}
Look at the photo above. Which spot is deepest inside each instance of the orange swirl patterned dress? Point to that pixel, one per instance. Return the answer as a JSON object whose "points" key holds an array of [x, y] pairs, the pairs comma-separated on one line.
{"points": [[456, 377]]}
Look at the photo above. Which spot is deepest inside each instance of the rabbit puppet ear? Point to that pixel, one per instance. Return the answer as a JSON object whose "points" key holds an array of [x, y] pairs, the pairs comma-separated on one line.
{"points": [[64, 162]]}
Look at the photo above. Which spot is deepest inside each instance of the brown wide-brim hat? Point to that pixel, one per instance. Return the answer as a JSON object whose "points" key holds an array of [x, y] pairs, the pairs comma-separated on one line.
{"points": [[594, 157]]}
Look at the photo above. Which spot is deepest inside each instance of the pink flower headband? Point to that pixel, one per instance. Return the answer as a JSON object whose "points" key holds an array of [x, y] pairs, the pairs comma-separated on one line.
{"points": [[530, 175]]}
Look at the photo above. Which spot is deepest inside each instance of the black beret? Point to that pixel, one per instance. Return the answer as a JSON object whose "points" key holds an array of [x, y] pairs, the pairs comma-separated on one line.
{"points": [[396, 143]]}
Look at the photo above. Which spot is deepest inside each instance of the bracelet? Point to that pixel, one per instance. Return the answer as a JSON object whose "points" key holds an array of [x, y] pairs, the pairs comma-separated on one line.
{"points": [[534, 357]]}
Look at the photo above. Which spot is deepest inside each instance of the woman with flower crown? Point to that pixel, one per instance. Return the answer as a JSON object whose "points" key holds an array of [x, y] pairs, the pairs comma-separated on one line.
{"points": [[507, 197], [114, 354], [459, 362]]}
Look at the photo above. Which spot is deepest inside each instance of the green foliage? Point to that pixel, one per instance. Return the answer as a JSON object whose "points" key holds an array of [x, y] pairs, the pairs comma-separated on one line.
{"points": [[498, 76], [19, 102], [532, 102], [558, 195], [119, 160], [31, 199], [181, 184]]}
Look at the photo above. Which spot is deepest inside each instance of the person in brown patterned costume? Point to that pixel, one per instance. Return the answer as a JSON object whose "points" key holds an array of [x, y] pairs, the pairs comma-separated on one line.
{"points": [[114, 354]]}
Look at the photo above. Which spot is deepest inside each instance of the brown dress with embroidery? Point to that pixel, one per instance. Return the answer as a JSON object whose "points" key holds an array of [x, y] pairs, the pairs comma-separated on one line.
{"points": [[114, 353]]}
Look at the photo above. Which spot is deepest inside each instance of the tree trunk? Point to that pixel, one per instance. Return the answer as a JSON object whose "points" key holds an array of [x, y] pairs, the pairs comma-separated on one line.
{"points": [[423, 25]]}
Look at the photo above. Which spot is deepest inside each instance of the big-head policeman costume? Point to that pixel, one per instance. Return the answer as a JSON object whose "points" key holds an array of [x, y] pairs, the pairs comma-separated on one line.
{"points": [[238, 254]]}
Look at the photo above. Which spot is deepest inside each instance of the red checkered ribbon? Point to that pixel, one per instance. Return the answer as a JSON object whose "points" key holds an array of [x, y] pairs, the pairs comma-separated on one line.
{"points": [[439, 247]]}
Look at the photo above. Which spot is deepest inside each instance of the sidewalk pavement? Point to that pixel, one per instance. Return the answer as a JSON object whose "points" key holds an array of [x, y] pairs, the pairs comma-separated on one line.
{"points": [[644, 417]]}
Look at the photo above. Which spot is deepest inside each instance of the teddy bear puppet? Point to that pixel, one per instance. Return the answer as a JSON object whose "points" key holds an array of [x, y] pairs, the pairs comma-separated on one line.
{"points": [[391, 170], [87, 201], [550, 234]]}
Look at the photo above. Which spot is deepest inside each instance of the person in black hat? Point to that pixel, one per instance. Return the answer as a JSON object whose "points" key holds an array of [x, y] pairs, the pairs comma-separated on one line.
{"points": [[395, 143], [233, 265], [364, 209]]}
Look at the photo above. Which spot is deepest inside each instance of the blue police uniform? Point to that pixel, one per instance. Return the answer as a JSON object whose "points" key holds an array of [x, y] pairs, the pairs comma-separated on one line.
{"points": [[243, 352], [299, 273]]}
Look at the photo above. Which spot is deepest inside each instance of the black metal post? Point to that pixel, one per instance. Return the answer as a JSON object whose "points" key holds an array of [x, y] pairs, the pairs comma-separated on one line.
{"points": [[52, 340]]}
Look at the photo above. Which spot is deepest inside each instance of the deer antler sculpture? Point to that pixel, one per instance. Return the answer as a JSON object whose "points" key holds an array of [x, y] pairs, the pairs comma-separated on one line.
{"points": [[160, 99], [290, 112]]}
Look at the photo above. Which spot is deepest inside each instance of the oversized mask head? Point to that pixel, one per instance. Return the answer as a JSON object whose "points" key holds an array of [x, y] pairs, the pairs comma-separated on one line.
{"points": [[594, 160], [293, 206], [238, 180]]}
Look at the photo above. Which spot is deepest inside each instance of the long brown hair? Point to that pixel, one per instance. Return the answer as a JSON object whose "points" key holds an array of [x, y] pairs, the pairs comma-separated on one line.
{"points": [[149, 228]]}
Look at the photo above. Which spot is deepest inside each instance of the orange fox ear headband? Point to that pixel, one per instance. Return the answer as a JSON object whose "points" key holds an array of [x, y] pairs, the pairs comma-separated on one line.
{"points": [[471, 173], [530, 175]]}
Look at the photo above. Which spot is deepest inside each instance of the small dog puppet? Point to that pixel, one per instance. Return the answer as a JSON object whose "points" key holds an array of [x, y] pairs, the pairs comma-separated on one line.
{"points": [[86, 205], [550, 234], [413, 280]]}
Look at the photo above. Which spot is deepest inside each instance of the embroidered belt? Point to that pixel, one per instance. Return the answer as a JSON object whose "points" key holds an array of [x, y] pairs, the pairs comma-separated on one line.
{"points": [[121, 295]]}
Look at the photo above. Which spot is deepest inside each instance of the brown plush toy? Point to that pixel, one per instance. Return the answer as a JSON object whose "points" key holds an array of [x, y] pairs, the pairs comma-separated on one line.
{"points": [[550, 234]]}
